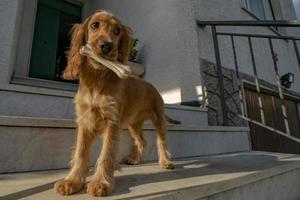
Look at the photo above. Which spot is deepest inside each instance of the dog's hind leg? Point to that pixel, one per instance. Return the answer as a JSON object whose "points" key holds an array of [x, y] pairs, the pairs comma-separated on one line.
{"points": [[139, 144], [163, 154]]}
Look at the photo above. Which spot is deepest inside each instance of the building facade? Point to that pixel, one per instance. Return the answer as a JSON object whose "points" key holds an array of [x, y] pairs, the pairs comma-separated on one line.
{"points": [[174, 50]]}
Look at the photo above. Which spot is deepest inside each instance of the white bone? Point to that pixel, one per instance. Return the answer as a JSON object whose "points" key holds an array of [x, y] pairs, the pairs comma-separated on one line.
{"points": [[123, 71]]}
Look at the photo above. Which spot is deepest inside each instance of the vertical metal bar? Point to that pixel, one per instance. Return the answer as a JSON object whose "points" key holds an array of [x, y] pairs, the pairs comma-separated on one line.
{"points": [[272, 11], [297, 52], [220, 75], [203, 88], [283, 108], [238, 76], [256, 82], [245, 100]]}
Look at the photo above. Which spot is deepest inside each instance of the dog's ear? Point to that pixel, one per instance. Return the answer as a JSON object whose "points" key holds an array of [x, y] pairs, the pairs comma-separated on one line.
{"points": [[125, 45], [75, 59]]}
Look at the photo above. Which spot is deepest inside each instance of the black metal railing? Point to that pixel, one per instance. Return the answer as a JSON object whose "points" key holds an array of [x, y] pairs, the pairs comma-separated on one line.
{"points": [[219, 71]]}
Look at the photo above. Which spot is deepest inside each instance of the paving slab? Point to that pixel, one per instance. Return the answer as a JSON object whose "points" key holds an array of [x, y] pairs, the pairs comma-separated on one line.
{"points": [[193, 178]]}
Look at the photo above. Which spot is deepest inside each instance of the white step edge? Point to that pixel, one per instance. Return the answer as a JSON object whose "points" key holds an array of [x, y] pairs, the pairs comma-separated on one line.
{"points": [[20, 121], [182, 107]]}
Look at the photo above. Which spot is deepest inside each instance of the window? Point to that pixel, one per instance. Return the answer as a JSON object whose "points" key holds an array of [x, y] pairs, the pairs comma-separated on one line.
{"points": [[260, 8], [297, 8], [51, 38]]}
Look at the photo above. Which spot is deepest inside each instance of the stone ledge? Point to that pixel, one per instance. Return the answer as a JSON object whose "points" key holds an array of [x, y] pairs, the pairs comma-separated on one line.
{"points": [[19, 121], [36, 90]]}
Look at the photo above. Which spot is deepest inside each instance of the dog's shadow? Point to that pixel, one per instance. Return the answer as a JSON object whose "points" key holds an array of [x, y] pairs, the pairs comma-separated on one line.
{"points": [[185, 169], [197, 168]]}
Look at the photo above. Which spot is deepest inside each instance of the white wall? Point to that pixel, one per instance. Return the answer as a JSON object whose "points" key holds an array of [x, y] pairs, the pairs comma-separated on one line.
{"points": [[9, 10]]}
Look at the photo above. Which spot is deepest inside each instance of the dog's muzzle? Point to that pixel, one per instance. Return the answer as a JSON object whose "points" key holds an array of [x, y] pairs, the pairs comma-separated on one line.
{"points": [[106, 47]]}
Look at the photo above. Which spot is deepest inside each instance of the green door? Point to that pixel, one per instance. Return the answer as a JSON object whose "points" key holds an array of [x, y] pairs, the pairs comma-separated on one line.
{"points": [[51, 38]]}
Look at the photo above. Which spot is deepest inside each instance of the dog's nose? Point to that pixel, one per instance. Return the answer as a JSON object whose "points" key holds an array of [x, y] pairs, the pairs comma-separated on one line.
{"points": [[106, 47]]}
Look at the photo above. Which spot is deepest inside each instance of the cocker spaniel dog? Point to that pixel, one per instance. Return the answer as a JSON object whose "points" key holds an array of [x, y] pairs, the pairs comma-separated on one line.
{"points": [[104, 103]]}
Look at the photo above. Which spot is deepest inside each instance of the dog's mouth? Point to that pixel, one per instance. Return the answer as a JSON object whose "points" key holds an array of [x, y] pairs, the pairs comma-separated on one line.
{"points": [[109, 56]]}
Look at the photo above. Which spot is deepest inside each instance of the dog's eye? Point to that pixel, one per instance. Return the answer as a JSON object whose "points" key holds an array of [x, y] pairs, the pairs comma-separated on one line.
{"points": [[117, 31], [95, 25]]}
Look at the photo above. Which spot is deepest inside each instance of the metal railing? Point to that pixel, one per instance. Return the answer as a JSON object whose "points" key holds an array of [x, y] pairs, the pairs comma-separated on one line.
{"points": [[232, 35]]}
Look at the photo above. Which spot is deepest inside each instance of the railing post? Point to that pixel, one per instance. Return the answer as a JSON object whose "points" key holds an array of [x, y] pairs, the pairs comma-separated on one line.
{"points": [[283, 107], [220, 75], [257, 84], [237, 73], [297, 52]]}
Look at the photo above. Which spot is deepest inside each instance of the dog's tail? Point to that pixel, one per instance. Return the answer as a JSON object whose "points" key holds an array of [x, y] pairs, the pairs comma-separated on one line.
{"points": [[171, 120]]}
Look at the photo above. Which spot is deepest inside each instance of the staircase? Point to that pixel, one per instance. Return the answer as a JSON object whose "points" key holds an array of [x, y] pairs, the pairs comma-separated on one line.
{"points": [[211, 162]]}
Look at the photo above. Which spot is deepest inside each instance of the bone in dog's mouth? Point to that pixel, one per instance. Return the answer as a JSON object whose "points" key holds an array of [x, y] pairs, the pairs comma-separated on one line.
{"points": [[123, 71]]}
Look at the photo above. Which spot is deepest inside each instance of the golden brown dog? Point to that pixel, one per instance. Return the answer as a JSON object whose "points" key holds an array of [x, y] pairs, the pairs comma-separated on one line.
{"points": [[104, 103]]}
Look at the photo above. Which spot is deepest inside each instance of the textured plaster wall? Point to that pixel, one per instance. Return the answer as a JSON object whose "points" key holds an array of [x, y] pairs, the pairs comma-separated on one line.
{"points": [[8, 37], [168, 42]]}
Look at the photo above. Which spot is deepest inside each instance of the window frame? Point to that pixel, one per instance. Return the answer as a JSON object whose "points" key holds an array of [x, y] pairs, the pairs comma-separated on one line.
{"points": [[20, 74], [247, 8]]}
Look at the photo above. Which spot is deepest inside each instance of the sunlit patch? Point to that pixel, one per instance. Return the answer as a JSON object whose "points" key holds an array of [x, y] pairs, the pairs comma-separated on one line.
{"points": [[199, 90], [172, 95], [195, 166]]}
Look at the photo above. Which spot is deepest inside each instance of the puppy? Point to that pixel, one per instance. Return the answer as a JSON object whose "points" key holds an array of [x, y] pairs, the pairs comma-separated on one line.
{"points": [[105, 103]]}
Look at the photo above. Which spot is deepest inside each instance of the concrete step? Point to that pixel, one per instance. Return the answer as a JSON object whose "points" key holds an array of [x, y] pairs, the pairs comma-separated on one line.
{"points": [[62, 107], [29, 144], [238, 176]]}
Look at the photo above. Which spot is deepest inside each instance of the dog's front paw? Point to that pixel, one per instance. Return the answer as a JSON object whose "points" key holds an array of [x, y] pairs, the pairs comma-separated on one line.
{"points": [[66, 187], [96, 188]]}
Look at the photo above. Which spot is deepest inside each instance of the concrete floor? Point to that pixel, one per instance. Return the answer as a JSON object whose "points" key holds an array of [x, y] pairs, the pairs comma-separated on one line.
{"points": [[193, 178]]}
